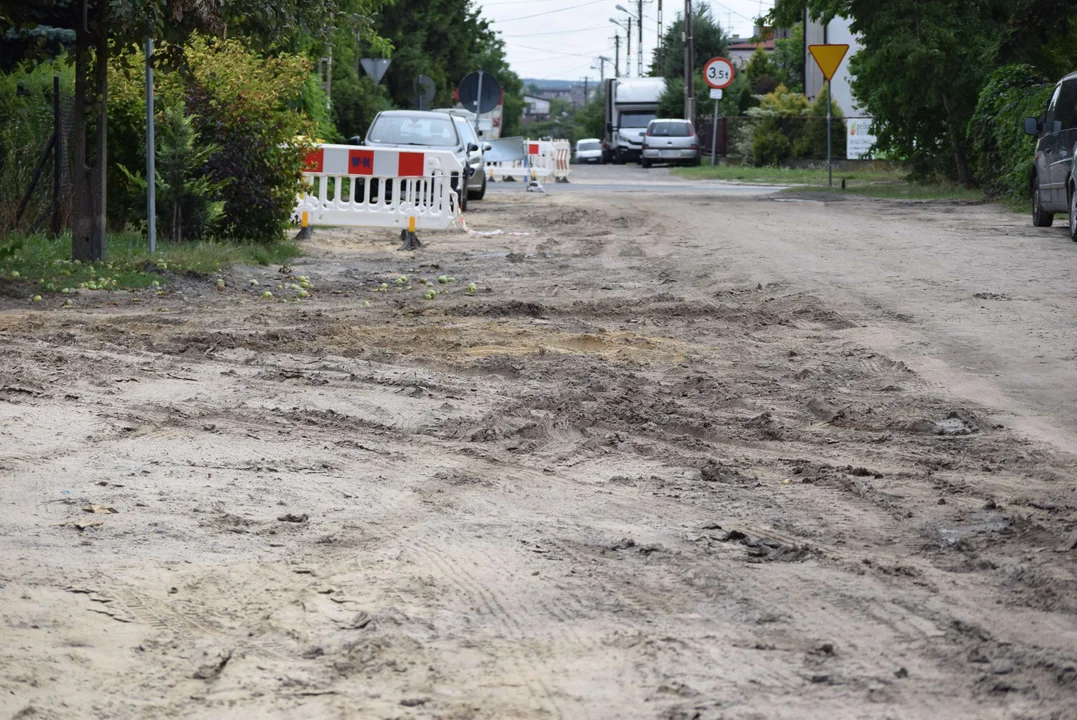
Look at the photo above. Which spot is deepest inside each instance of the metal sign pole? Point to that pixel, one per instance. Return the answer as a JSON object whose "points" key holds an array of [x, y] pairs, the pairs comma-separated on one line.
{"points": [[478, 106], [714, 133], [151, 151], [829, 166]]}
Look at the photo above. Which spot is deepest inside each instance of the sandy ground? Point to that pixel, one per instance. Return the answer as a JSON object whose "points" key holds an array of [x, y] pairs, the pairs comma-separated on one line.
{"points": [[698, 455]]}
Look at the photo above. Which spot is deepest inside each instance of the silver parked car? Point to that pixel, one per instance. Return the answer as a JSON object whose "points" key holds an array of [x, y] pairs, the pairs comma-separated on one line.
{"points": [[476, 158], [415, 128], [670, 141]]}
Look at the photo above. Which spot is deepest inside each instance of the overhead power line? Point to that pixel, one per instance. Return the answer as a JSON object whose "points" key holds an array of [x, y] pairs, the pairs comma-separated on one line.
{"points": [[549, 12]]}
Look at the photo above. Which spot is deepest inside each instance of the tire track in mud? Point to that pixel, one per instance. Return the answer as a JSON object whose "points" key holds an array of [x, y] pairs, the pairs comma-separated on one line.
{"points": [[173, 618], [496, 606]]}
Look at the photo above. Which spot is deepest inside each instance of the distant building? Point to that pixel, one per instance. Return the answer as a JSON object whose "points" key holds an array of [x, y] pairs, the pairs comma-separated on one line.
{"points": [[741, 51], [836, 32], [535, 109]]}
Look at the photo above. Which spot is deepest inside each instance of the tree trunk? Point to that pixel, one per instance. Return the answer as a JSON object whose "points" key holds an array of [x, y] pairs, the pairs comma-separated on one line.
{"points": [[88, 183]]}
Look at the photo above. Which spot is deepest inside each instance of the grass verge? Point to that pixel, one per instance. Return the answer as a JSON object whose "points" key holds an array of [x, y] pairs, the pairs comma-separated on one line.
{"points": [[786, 176], [886, 184], [40, 264]]}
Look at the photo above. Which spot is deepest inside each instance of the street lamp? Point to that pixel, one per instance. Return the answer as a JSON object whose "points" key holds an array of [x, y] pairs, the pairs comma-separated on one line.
{"points": [[628, 36]]}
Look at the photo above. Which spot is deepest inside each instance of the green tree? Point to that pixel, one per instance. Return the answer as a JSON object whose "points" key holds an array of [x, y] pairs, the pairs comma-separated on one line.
{"points": [[923, 64], [788, 59], [708, 40], [445, 40], [761, 72], [99, 25]]}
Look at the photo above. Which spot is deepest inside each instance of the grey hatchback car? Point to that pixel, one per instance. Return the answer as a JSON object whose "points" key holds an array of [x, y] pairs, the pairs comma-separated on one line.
{"points": [[670, 141], [1053, 185]]}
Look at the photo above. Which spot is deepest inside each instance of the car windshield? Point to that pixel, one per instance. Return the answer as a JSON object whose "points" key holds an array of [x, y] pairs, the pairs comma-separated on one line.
{"points": [[412, 130], [466, 131], [670, 129], [636, 119], [593, 145]]}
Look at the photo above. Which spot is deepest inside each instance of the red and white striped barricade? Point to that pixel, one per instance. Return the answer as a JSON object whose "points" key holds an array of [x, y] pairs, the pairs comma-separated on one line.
{"points": [[380, 187], [562, 157]]}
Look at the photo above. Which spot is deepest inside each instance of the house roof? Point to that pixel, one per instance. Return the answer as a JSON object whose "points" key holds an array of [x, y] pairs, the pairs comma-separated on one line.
{"points": [[767, 45]]}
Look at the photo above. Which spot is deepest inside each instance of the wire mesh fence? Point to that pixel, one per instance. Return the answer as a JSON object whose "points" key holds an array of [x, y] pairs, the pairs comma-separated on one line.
{"points": [[36, 132], [776, 140]]}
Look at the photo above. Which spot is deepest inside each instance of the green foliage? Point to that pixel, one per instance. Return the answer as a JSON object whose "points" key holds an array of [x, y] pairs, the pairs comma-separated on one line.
{"points": [[708, 40], [187, 204], [445, 40], [924, 66], [243, 109], [788, 59], [44, 266], [1001, 152], [761, 72], [786, 127], [25, 126]]}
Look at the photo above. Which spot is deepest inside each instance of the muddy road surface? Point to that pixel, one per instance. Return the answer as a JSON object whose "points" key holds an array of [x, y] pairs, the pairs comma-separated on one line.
{"points": [[680, 455]]}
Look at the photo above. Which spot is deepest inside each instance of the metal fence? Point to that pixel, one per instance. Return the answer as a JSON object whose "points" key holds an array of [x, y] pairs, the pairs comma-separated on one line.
{"points": [[35, 160], [771, 140]]}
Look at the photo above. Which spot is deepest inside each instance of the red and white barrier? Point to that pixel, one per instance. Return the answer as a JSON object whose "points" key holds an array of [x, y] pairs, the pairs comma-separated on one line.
{"points": [[380, 187], [543, 159]]}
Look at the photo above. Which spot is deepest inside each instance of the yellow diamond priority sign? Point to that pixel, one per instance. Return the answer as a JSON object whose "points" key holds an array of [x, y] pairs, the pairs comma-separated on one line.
{"points": [[828, 57]]}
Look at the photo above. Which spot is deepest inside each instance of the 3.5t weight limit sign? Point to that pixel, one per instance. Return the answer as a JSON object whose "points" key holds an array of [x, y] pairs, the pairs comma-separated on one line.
{"points": [[718, 72]]}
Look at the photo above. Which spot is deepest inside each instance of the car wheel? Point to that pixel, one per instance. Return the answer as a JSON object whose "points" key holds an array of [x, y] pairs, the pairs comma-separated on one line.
{"points": [[645, 162], [1040, 218], [1073, 213], [461, 197], [480, 193]]}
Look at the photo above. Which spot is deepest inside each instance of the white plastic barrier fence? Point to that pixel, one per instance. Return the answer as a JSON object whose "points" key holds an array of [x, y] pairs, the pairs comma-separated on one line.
{"points": [[379, 187], [538, 158]]}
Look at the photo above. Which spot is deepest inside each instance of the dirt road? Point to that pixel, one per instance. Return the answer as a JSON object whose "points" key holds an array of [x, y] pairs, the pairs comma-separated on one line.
{"points": [[707, 454]]}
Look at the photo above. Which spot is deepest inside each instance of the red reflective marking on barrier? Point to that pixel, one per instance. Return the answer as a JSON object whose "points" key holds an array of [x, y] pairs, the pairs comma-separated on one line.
{"points": [[360, 162], [314, 161], [532, 149], [411, 164]]}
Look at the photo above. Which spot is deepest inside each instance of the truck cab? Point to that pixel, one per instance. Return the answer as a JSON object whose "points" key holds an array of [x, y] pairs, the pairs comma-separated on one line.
{"points": [[630, 105]]}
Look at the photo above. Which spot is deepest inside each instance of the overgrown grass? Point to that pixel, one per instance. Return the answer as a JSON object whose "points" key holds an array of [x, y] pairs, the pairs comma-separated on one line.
{"points": [[43, 265], [787, 176]]}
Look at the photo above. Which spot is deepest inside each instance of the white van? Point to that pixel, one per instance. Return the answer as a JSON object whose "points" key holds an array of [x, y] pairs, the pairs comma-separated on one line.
{"points": [[589, 150]]}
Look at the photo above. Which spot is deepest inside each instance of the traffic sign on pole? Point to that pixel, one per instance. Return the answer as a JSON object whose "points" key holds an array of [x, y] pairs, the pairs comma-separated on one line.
{"points": [[828, 58], [718, 72]]}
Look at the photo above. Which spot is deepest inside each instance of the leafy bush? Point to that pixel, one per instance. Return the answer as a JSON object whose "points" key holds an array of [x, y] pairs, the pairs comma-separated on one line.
{"points": [[812, 141], [1001, 152], [245, 107]]}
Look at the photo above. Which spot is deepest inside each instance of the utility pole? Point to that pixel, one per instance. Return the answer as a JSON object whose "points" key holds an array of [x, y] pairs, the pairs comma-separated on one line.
{"points": [[617, 56], [689, 71], [660, 53], [602, 60], [585, 93], [628, 50], [639, 51]]}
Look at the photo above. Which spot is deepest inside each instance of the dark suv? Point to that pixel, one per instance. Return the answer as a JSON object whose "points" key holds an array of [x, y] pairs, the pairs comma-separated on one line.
{"points": [[1052, 181]]}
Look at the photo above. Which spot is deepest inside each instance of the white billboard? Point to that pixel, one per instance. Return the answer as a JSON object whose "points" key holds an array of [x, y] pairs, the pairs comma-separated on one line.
{"points": [[858, 139]]}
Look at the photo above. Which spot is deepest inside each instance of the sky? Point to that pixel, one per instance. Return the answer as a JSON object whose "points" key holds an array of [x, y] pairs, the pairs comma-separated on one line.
{"points": [[560, 39]]}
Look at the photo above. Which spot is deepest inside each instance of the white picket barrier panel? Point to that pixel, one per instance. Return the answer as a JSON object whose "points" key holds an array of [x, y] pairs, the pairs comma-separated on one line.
{"points": [[544, 159], [386, 187], [562, 160]]}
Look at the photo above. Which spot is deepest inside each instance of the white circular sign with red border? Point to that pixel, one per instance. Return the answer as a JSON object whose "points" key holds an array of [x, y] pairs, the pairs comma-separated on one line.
{"points": [[718, 72]]}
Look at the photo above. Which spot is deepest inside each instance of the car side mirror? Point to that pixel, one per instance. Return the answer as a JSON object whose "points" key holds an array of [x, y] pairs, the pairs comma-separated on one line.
{"points": [[355, 140], [1032, 126], [487, 147], [472, 147], [609, 127]]}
